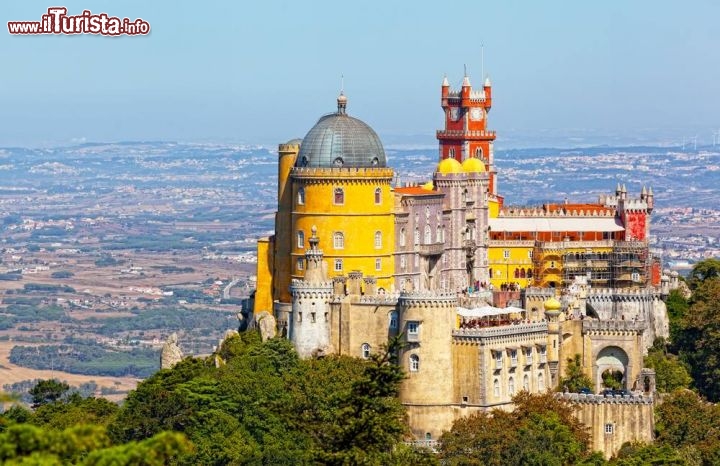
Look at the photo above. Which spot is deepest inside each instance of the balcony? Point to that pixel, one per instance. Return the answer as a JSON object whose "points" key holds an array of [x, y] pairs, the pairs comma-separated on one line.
{"points": [[543, 358], [433, 249], [461, 134], [469, 244], [498, 364], [413, 337]]}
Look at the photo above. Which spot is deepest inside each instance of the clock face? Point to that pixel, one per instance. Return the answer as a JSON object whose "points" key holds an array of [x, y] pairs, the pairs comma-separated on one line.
{"points": [[476, 114], [454, 113]]}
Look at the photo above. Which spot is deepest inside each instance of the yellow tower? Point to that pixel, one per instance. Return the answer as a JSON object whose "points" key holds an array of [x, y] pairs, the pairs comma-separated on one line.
{"points": [[287, 154], [339, 183]]}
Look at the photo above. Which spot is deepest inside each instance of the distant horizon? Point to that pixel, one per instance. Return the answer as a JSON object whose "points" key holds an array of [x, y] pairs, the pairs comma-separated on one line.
{"points": [[264, 72]]}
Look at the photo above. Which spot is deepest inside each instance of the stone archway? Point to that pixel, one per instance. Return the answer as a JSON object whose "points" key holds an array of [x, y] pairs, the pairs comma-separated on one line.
{"points": [[611, 358]]}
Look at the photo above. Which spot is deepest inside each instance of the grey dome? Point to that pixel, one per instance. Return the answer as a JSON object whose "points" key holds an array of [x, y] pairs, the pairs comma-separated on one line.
{"points": [[339, 140]]}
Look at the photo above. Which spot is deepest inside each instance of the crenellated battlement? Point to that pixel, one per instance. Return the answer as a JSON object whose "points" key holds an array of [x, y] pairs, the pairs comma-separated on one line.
{"points": [[426, 298], [608, 327], [602, 399], [512, 211], [390, 299], [623, 294], [357, 174]]}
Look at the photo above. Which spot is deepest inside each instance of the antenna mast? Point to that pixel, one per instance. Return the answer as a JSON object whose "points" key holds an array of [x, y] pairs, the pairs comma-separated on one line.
{"points": [[482, 61]]}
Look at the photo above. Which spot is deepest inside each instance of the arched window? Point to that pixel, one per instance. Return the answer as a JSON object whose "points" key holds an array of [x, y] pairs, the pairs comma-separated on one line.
{"points": [[339, 196], [365, 351], [414, 363], [496, 388], [465, 196], [402, 236], [378, 240], [522, 273], [517, 273], [427, 212], [511, 386], [438, 235], [478, 152], [338, 240], [428, 234], [529, 273], [393, 320], [300, 239], [541, 382], [416, 238], [378, 196], [451, 153], [403, 263], [301, 196], [526, 383]]}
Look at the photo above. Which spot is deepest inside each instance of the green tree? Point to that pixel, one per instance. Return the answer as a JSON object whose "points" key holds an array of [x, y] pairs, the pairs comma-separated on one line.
{"points": [[699, 340], [641, 454], [677, 308], [48, 391], [542, 430], [370, 419], [575, 378], [670, 372], [704, 270], [685, 421], [73, 411]]}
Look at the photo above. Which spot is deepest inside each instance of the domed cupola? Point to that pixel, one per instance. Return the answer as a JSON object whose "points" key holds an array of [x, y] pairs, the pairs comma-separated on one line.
{"points": [[340, 141]]}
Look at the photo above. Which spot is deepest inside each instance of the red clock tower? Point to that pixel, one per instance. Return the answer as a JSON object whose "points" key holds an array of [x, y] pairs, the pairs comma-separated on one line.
{"points": [[466, 134]]}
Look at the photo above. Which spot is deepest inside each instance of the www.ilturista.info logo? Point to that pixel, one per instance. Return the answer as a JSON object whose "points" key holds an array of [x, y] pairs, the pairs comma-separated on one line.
{"points": [[57, 21]]}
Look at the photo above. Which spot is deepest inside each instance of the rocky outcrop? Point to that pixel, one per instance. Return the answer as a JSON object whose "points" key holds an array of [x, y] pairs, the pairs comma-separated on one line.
{"points": [[267, 325], [171, 352]]}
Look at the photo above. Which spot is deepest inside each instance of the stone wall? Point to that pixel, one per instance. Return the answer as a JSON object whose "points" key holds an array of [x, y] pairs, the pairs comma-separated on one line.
{"points": [[614, 420]]}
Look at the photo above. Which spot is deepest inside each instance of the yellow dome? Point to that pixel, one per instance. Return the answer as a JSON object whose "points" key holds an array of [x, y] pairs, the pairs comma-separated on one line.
{"points": [[473, 165], [428, 186], [552, 305], [449, 165]]}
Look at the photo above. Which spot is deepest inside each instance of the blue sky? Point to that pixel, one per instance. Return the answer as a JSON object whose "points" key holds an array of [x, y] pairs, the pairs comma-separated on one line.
{"points": [[262, 72]]}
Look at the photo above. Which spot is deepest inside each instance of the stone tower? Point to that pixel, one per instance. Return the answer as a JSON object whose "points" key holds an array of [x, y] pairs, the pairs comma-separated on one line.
{"points": [[427, 320], [309, 326], [466, 134]]}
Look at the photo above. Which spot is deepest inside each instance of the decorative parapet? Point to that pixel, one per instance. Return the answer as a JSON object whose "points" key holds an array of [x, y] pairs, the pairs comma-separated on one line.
{"points": [[561, 245], [501, 331], [427, 299], [539, 293], [458, 133], [389, 299], [495, 243], [613, 326], [512, 211], [582, 398], [368, 173], [623, 294]]}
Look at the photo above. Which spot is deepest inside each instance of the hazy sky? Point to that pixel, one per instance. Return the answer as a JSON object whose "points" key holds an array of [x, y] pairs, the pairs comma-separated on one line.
{"points": [[264, 71]]}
